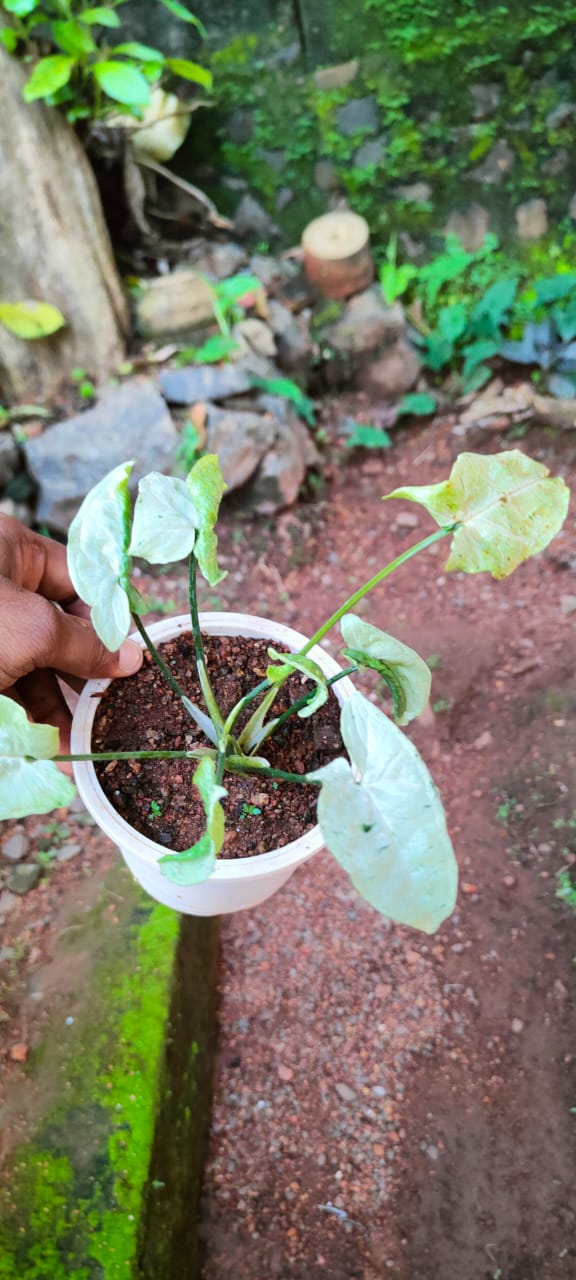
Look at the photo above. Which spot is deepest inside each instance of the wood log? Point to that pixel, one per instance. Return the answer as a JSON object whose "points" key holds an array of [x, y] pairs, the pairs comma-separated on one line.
{"points": [[54, 247], [337, 257]]}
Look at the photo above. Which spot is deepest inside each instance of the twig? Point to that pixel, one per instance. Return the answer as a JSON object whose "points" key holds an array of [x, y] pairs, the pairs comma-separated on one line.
{"points": [[216, 218]]}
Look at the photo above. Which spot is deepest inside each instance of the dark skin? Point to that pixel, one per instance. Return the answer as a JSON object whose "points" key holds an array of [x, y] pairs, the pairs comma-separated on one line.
{"points": [[45, 629]]}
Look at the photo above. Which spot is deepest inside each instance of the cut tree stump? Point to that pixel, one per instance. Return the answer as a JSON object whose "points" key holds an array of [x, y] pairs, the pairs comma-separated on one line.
{"points": [[54, 247], [337, 256]]}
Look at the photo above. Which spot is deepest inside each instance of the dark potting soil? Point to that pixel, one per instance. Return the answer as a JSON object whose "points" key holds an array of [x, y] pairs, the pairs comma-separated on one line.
{"points": [[157, 797]]}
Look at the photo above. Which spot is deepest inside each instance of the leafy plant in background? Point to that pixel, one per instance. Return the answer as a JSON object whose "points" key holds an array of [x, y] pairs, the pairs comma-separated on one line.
{"points": [[378, 810], [229, 299], [466, 308], [89, 67]]}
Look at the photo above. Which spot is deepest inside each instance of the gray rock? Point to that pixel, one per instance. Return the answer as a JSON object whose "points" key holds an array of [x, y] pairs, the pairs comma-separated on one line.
{"points": [[240, 440], [345, 1093], [10, 459], [203, 382], [415, 192], [68, 851], [366, 324], [564, 113], [284, 198], [251, 219], [337, 77], [495, 165], [292, 337], [393, 373], [470, 226], [268, 269], [7, 902], [240, 126], [275, 158], [281, 473], [227, 259], [557, 163], [19, 510], [371, 152], [572, 207], [360, 115], [16, 847], [24, 877], [326, 175], [258, 335], [486, 99], [532, 219], [175, 305], [131, 421]]}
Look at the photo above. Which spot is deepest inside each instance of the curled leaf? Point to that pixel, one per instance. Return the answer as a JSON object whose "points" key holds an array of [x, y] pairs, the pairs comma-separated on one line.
{"points": [[98, 559], [206, 487], [505, 507], [165, 520], [29, 781], [402, 669], [294, 662], [387, 829], [196, 864]]}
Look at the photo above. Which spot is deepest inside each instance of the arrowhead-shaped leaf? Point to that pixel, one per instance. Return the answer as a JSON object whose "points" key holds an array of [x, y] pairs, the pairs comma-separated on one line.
{"points": [[505, 507], [33, 785], [98, 559], [403, 670], [196, 864], [165, 520], [294, 662], [387, 830], [206, 487]]}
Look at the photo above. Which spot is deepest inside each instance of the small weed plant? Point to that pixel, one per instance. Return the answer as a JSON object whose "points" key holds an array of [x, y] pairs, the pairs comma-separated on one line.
{"points": [[378, 809], [467, 308]]}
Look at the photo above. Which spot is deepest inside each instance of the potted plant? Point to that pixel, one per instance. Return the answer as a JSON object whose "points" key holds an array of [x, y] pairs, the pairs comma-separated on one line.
{"points": [[378, 810]]}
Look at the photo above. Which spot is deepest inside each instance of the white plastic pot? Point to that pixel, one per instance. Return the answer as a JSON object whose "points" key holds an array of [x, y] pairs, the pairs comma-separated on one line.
{"points": [[234, 884]]}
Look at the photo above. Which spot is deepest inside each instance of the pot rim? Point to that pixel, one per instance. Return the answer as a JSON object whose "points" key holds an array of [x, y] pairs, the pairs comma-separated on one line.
{"points": [[115, 827]]}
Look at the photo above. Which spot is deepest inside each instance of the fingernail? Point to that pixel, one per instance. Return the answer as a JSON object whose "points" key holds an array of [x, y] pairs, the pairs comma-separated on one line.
{"points": [[130, 658]]}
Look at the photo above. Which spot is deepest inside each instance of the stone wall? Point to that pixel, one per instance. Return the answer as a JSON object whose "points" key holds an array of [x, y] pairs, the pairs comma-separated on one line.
{"points": [[444, 115]]}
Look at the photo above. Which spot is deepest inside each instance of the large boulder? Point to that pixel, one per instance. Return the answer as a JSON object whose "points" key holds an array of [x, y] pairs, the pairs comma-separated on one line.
{"points": [[131, 421]]}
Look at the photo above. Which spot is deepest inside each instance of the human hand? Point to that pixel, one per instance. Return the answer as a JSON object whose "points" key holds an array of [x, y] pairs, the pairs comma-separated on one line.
{"points": [[39, 640]]}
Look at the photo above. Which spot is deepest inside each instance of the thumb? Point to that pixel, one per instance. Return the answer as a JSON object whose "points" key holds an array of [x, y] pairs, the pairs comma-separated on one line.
{"points": [[76, 650]]}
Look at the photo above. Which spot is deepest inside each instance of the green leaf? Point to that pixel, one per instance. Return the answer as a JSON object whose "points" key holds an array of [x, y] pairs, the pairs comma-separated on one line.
{"points": [[29, 785], [477, 378], [122, 82], [206, 486], [141, 51], [236, 288], [31, 319], [49, 75], [476, 352], [191, 71], [363, 436], [387, 830], [402, 669], [98, 559], [214, 349], [196, 864], [288, 390], [72, 38], [418, 403], [505, 506], [294, 662], [181, 12], [20, 7], [165, 520], [9, 39], [102, 17], [495, 305], [553, 288]]}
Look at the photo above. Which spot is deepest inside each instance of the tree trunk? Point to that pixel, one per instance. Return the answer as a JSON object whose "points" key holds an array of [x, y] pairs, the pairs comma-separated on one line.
{"points": [[54, 247]]}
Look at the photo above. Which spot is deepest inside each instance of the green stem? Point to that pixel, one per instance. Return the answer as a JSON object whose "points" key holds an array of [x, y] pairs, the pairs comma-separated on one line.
{"points": [[303, 702], [193, 711], [207, 690], [244, 702], [372, 582], [265, 772]]}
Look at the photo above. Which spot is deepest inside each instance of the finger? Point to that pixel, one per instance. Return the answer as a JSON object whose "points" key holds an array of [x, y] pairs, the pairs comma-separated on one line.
{"points": [[34, 562], [34, 633], [42, 698]]}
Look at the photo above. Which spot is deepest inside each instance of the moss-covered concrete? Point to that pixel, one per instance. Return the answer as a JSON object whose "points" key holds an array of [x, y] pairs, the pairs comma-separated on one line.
{"points": [[450, 80], [106, 1185]]}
